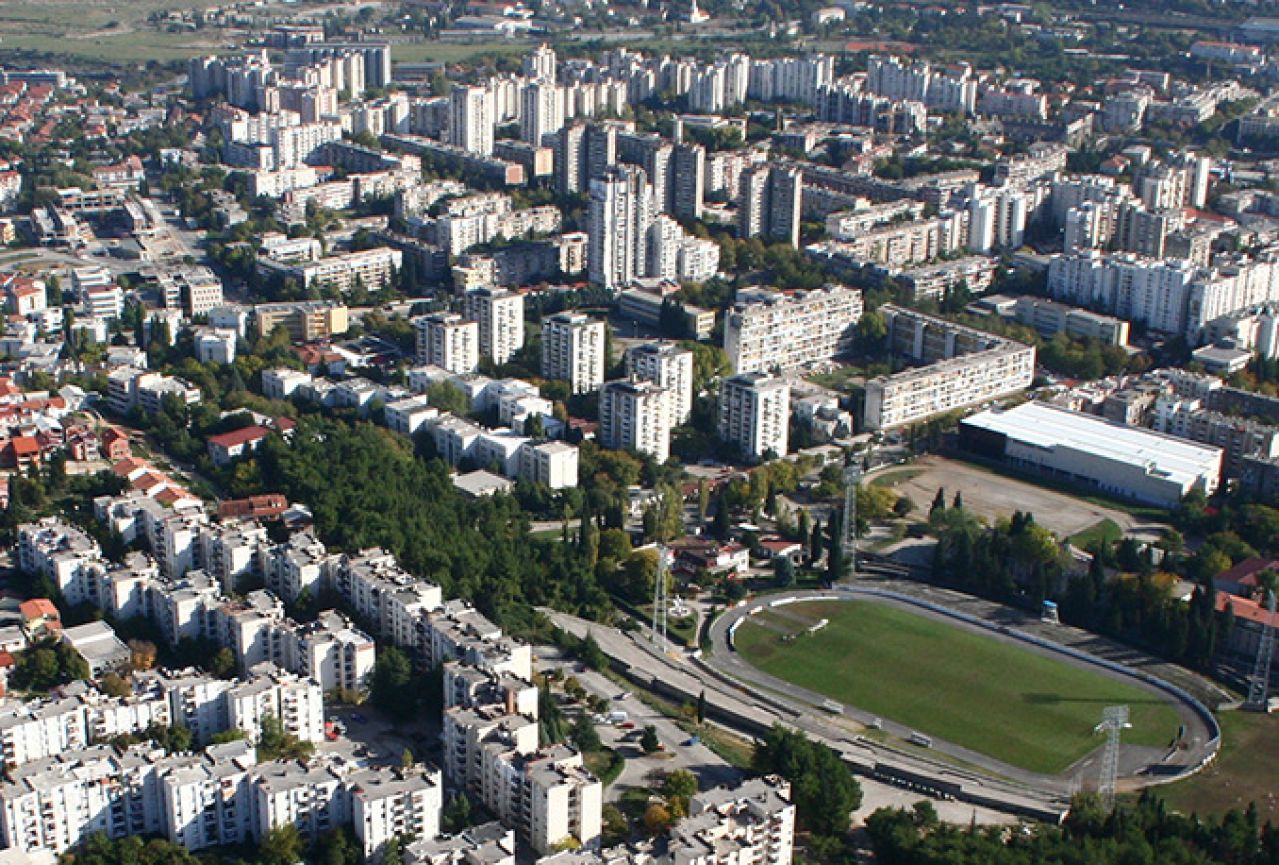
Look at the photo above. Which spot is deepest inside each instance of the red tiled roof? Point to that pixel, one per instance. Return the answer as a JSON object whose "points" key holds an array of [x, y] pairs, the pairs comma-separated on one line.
{"points": [[1247, 609], [24, 445], [1245, 573], [244, 435], [38, 608]]}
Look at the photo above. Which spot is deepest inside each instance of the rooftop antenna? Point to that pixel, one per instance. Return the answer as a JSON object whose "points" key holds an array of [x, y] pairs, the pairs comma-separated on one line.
{"points": [[1114, 720], [1259, 683]]}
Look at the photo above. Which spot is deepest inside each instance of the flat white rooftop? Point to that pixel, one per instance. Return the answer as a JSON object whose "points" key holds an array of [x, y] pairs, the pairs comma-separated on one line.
{"points": [[1049, 427]]}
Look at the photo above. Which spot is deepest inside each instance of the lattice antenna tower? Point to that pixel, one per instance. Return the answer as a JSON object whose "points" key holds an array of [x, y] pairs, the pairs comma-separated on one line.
{"points": [[1259, 683], [1114, 720], [848, 543], [661, 600]]}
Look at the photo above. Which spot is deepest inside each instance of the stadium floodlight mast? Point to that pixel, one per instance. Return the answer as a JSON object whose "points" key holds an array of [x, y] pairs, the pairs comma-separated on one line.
{"points": [[848, 543], [1114, 720], [660, 600], [1259, 683]]}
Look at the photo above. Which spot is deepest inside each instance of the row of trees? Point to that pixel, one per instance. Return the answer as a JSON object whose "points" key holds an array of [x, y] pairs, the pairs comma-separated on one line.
{"points": [[1019, 562], [1144, 833]]}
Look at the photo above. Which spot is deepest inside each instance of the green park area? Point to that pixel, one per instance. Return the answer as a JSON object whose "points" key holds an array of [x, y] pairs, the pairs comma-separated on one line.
{"points": [[989, 695], [1244, 771]]}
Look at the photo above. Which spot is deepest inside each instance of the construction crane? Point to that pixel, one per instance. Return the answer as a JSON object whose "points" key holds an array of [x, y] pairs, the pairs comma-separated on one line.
{"points": [[1259, 683], [1114, 720]]}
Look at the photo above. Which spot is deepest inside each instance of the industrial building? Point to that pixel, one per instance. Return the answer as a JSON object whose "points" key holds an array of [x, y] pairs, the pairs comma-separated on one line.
{"points": [[1114, 459]]}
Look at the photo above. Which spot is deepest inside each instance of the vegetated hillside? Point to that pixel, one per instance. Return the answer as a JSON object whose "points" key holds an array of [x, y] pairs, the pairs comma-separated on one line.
{"points": [[367, 488]]}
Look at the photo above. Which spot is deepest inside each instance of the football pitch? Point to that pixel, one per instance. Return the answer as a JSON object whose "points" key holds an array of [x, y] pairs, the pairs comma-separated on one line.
{"points": [[991, 696]]}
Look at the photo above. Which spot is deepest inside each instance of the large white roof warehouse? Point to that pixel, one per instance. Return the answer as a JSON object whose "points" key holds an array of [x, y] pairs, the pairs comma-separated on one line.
{"points": [[1119, 460]]}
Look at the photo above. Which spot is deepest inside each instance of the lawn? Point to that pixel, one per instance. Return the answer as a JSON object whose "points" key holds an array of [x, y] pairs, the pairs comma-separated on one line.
{"points": [[991, 696], [893, 478], [1244, 771], [1105, 532]]}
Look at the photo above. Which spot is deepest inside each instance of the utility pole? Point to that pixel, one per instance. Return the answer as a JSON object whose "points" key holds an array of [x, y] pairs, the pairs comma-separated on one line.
{"points": [[848, 542], [1114, 720], [1259, 683]]}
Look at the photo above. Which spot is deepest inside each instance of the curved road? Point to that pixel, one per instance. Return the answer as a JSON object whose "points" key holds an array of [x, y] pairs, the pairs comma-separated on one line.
{"points": [[1138, 766]]}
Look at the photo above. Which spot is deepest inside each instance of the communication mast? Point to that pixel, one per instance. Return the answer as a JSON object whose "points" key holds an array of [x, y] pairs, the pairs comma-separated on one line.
{"points": [[661, 601], [1114, 720], [848, 543], [1259, 683]]}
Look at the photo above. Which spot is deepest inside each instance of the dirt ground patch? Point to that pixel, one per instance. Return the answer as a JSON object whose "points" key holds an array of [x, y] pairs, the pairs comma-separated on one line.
{"points": [[991, 496]]}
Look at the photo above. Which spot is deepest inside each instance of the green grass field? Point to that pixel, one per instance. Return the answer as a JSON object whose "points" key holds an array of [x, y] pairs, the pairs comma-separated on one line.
{"points": [[1245, 770], [1106, 532], [1018, 706]]}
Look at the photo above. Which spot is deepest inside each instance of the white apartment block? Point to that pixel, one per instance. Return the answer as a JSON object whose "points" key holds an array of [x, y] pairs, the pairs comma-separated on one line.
{"points": [[388, 804], [407, 416], [635, 415], [1168, 296], [297, 703], [213, 345], [230, 552], [447, 340], [35, 730], [618, 220], [573, 348], [767, 330], [313, 799], [283, 383], [298, 565], [752, 822], [553, 464], [500, 316], [55, 803], [373, 268], [471, 120], [754, 415], [205, 800], [61, 552], [964, 367], [670, 367], [330, 650]]}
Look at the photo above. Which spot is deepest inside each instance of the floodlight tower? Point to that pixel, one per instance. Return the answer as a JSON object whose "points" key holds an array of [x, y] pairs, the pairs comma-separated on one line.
{"points": [[1114, 720], [1259, 683], [660, 600], [848, 542]]}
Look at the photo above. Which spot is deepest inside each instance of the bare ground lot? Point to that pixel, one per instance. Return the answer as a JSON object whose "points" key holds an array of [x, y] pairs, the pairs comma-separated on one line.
{"points": [[991, 496]]}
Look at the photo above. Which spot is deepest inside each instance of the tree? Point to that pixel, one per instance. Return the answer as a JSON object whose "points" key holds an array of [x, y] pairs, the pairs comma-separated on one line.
{"points": [[223, 664], [113, 685], [550, 720], [784, 569], [391, 691], [680, 784], [871, 332], [701, 707], [456, 815], [824, 791], [939, 503], [447, 398], [281, 846], [657, 818], [584, 734], [648, 739], [142, 655]]}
